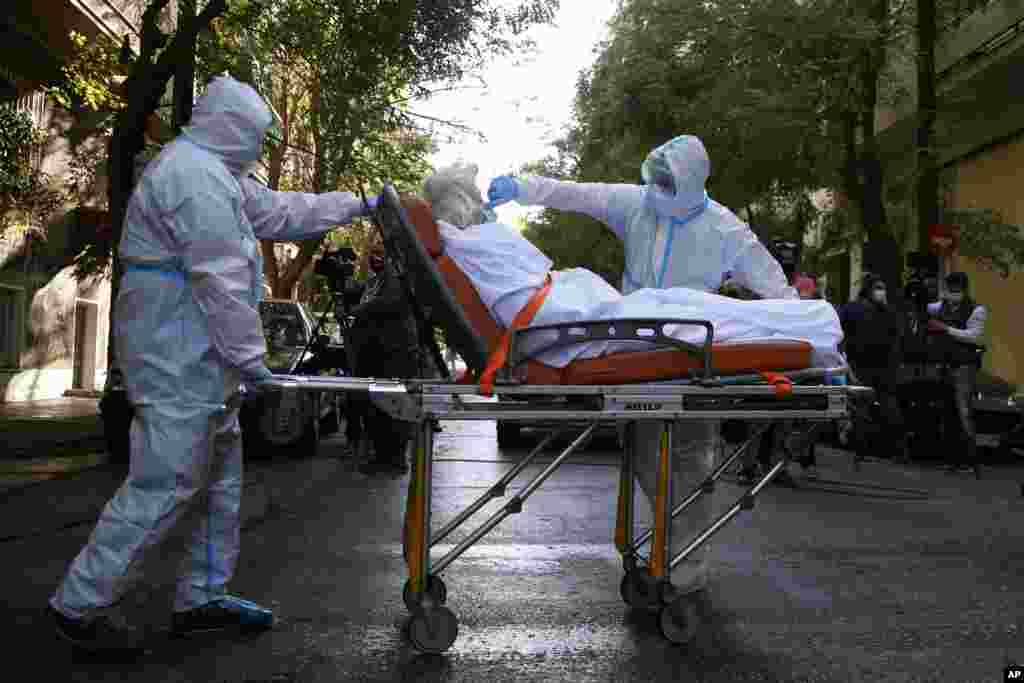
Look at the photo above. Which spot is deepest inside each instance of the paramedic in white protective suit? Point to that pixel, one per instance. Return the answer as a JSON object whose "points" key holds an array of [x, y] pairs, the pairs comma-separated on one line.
{"points": [[674, 235], [188, 331]]}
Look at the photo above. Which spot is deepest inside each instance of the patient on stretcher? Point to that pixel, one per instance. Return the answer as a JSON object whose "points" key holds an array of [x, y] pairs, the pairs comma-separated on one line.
{"points": [[506, 270]]}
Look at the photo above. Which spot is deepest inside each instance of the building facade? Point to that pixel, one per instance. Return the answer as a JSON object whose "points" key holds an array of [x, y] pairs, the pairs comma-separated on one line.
{"points": [[53, 328], [979, 142]]}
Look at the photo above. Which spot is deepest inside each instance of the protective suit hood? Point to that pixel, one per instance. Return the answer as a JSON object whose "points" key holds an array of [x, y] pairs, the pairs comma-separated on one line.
{"points": [[230, 120], [455, 198], [684, 162]]}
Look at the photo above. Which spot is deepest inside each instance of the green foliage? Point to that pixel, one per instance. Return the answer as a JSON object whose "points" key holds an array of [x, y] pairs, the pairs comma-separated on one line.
{"points": [[987, 239], [17, 136], [28, 196], [782, 92], [92, 78]]}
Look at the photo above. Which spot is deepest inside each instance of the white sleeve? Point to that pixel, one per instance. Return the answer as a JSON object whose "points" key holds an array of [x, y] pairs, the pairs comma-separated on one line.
{"points": [[221, 276], [975, 329], [296, 215], [609, 203], [753, 266]]}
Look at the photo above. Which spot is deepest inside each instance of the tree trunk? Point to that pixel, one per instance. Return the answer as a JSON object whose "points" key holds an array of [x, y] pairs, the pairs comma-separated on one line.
{"points": [[275, 169], [927, 171], [144, 89], [881, 253]]}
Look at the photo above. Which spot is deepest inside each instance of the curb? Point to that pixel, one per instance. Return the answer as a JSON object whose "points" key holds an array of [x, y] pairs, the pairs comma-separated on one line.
{"points": [[83, 393]]}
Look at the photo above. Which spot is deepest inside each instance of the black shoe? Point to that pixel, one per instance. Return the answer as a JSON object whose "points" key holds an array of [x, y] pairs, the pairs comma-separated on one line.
{"points": [[98, 634], [228, 613]]}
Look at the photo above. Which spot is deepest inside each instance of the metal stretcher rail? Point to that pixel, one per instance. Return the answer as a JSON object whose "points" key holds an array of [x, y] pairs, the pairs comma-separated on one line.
{"points": [[646, 583]]}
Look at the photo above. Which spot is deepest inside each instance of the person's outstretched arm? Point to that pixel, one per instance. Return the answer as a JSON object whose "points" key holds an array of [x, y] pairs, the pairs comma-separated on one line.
{"points": [[297, 215], [610, 203]]}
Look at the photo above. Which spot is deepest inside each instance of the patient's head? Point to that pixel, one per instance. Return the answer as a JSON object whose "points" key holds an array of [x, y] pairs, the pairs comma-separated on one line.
{"points": [[453, 195]]}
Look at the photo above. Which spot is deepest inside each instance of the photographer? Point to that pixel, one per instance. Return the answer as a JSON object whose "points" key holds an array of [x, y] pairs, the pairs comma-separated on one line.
{"points": [[955, 328], [385, 343]]}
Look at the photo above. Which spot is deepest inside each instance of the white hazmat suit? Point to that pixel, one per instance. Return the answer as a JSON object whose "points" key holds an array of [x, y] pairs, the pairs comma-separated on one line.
{"points": [[674, 236], [187, 330]]}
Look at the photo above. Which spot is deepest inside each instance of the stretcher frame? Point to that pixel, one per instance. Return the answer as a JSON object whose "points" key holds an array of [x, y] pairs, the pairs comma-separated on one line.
{"points": [[580, 409]]}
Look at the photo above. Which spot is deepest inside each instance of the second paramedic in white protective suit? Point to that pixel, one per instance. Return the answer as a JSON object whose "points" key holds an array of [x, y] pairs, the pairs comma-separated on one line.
{"points": [[674, 235], [188, 332]]}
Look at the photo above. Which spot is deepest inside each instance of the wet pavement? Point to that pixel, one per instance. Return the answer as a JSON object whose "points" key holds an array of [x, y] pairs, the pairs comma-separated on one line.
{"points": [[891, 573]]}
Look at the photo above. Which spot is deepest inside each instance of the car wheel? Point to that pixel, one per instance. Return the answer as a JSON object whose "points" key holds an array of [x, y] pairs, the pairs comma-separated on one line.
{"points": [[274, 428]]}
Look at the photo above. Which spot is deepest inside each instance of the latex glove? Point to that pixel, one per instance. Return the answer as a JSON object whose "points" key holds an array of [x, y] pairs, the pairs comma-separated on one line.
{"points": [[937, 326], [502, 190], [256, 378]]}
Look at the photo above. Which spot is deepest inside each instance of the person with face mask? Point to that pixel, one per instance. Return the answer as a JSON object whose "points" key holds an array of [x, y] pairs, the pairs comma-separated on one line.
{"points": [[386, 345], [187, 334], [956, 329], [676, 238], [873, 334]]}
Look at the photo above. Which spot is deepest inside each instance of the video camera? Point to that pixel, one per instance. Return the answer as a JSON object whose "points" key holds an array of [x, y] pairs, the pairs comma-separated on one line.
{"points": [[337, 266], [922, 280]]}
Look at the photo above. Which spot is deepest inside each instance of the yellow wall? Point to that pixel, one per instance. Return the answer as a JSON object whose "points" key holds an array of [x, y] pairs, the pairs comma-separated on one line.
{"points": [[994, 179]]}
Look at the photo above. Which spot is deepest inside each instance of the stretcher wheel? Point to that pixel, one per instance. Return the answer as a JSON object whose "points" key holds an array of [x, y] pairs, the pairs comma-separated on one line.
{"points": [[436, 591], [638, 590], [680, 620], [433, 630]]}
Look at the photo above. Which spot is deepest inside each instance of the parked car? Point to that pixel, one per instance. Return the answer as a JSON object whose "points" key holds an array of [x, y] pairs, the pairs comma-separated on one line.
{"points": [[286, 422]]}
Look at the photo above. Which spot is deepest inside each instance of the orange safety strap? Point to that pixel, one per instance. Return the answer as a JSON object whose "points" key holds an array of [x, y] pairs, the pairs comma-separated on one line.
{"points": [[783, 385], [500, 353]]}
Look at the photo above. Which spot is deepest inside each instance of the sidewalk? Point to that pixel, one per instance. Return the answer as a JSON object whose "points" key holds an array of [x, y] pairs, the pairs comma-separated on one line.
{"points": [[46, 440], [60, 443]]}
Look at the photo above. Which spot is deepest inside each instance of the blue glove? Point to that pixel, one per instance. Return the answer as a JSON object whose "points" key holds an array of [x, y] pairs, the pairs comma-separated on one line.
{"points": [[256, 378], [502, 190], [372, 201]]}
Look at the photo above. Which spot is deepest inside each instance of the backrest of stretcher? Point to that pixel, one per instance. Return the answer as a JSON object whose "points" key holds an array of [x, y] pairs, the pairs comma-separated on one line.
{"points": [[440, 286]]}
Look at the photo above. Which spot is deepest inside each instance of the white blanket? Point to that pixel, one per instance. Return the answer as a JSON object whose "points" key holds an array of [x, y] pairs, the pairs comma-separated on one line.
{"points": [[506, 269]]}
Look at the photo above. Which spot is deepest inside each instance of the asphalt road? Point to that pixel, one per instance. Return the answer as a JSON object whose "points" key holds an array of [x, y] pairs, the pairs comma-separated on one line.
{"points": [[896, 573]]}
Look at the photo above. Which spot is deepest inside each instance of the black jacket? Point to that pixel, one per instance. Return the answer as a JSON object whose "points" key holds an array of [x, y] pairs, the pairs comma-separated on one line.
{"points": [[383, 317], [872, 334]]}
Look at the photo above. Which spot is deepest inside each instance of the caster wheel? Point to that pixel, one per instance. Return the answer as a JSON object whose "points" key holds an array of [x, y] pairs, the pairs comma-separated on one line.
{"points": [[436, 591], [679, 621], [433, 630], [638, 590]]}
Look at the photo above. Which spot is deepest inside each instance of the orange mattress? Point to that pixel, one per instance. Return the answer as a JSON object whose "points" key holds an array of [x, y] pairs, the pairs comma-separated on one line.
{"points": [[727, 358]]}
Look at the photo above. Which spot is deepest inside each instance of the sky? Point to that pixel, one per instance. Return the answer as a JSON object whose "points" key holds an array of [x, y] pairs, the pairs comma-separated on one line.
{"points": [[522, 105]]}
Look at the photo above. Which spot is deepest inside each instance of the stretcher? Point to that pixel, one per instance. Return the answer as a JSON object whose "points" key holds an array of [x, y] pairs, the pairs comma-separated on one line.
{"points": [[673, 381]]}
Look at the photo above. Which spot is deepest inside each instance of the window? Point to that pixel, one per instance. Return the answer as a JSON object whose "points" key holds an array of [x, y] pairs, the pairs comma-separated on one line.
{"points": [[10, 300]]}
